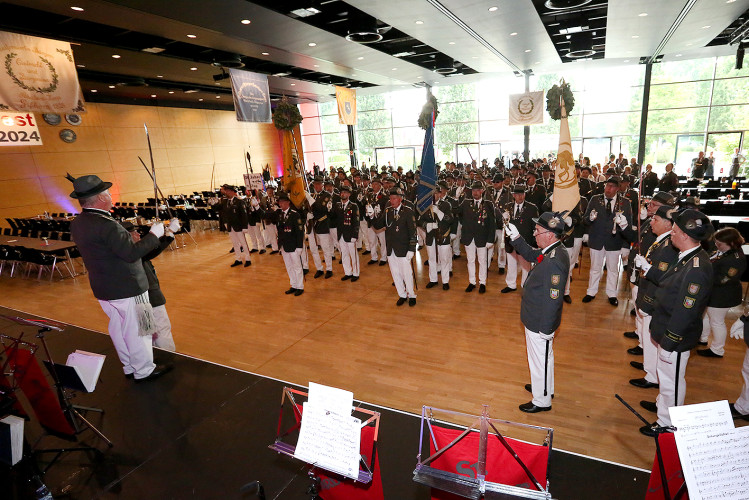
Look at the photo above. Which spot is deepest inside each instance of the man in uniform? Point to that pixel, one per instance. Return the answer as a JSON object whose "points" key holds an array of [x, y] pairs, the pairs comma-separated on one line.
{"points": [[502, 196], [437, 222], [377, 201], [270, 208], [399, 223], [680, 301], [321, 208], [291, 242], [535, 193], [477, 217], [347, 229], [541, 306], [584, 183], [669, 181], [116, 275], [236, 220], [521, 214], [458, 194], [607, 217]]}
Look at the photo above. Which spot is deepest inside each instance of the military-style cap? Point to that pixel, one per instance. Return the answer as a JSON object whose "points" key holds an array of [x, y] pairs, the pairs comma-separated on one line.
{"points": [[626, 178], [390, 178], [409, 174], [318, 178], [396, 192], [498, 178], [664, 198], [344, 188], [377, 180], [341, 170], [87, 186], [691, 202], [328, 182], [533, 173], [283, 196], [514, 167], [611, 171], [477, 185], [229, 187], [614, 179], [695, 224], [552, 221], [666, 212], [443, 185], [270, 188], [586, 167], [546, 168], [518, 188]]}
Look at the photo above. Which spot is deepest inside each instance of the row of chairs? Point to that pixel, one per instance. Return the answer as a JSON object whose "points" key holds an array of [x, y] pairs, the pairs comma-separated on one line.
{"points": [[29, 258], [39, 224], [25, 233]]}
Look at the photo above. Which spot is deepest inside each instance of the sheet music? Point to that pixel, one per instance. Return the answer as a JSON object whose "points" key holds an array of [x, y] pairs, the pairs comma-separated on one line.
{"points": [[714, 455], [329, 440], [331, 398]]}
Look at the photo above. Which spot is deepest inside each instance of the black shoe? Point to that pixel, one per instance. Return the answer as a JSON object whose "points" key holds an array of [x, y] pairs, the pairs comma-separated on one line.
{"points": [[456, 257], [446, 286], [507, 289], [577, 265], [274, 252], [482, 288], [637, 364], [333, 257], [501, 270], [650, 406], [366, 252], [708, 353], [431, 284], [328, 274], [470, 287], [305, 272], [529, 388], [451, 274], [631, 335], [268, 246], [290, 291], [529, 407], [254, 250], [650, 430], [587, 299], [236, 263], [354, 278], [247, 264], [568, 299], [400, 301], [156, 373], [412, 302], [426, 262], [131, 376], [383, 262], [346, 277], [298, 292], [262, 251], [736, 414], [635, 351], [643, 383], [232, 250], [702, 343], [613, 301], [318, 274], [633, 312], [371, 262]]}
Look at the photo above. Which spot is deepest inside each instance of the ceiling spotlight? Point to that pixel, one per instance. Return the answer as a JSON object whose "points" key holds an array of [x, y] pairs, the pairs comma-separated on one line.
{"points": [[419, 22], [218, 97], [565, 4], [94, 90], [451, 43], [705, 27], [81, 65], [246, 21], [362, 28], [171, 92], [493, 9], [159, 76], [111, 86], [193, 68], [395, 69], [360, 58], [77, 9], [513, 33], [293, 84], [537, 62], [312, 44], [265, 53], [580, 49], [527, 50], [444, 65], [228, 62], [626, 60], [635, 36], [200, 99], [116, 56], [316, 65], [643, 14], [678, 55], [153, 95], [192, 36]]}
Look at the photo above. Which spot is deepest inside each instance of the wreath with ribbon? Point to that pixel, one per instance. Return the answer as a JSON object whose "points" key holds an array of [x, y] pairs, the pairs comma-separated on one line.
{"points": [[41, 90], [425, 117], [286, 116], [553, 101]]}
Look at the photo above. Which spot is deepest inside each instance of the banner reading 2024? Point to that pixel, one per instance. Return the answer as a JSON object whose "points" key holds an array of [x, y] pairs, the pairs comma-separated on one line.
{"points": [[38, 75]]}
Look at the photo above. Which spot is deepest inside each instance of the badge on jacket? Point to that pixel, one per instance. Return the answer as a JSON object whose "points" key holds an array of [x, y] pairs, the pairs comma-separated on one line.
{"points": [[693, 288], [689, 302], [555, 280], [554, 293]]}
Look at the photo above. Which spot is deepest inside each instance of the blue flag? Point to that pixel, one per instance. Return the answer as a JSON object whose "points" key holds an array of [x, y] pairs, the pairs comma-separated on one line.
{"points": [[251, 96], [428, 178]]}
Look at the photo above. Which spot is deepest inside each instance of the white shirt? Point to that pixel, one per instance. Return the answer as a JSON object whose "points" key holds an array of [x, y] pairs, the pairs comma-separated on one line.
{"points": [[685, 252]]}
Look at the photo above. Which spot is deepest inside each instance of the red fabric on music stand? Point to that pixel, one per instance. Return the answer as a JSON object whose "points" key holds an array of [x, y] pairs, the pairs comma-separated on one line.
{"points": [[339, 488], [501, 467], [43, 399], [672, 464]]}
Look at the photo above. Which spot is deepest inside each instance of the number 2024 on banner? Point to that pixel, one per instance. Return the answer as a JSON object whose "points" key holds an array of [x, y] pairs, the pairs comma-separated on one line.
{"points": [[19, 129]]}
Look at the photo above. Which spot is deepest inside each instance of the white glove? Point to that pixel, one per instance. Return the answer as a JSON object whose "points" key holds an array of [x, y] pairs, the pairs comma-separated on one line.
{"points": [[551, 197], [409, 255], [666, 356], [439, 213], [511, 231], [369, 211], [643, 213], [737, 330], [506, 215], [621, 221], [453, 237], [377, 210], [174, 225], [568, 221], [157, 229], [310, 199], [255, 203], [310, 216], [431, 226], [642, 263], [592, 216]]}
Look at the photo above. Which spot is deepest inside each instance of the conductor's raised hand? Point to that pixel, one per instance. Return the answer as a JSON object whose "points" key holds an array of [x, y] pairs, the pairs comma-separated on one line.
{"points": [[157, 229]]}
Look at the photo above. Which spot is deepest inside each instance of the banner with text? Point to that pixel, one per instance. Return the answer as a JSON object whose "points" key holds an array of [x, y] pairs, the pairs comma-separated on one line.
{"points": [[19, 129], [527, 108], [38, 75], [251, 96], [346, 99]]}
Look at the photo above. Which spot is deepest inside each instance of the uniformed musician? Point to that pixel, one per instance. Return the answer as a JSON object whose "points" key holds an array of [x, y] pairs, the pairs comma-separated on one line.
{"points": [[399, 223], [477, 218], [521, 214], [291, 243], [236, 220], [437, 223], [347, 229]]}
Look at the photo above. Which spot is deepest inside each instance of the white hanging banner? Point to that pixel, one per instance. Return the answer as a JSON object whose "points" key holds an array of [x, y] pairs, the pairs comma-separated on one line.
{"points": [[527, 108], [38, 75]]}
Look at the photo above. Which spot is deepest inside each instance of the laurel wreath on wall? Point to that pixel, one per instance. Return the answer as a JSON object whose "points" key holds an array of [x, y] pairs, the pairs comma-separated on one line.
{"points": [[425, 117], [40, 90], [553, 104], [286, 116]]}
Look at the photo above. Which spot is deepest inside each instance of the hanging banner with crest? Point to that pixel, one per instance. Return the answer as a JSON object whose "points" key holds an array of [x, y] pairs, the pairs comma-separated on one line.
{"points": [[527, 108], [251, 96], [346, 99], [38, 75]]}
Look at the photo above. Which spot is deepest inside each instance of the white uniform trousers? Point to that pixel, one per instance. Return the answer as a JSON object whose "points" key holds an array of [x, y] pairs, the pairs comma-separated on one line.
{"points": [[363, 236], [334, 236], [255, 236], [472, 251], [163, 336], [326, 242], [377, 240], [349, 257], [135, 352], [421, 236], [515, 260], [638, 327], [742, 404], [574, 254], [271, 236], [649, 348], [314, 250], [499, 246], [597, 259], [240, 245], [400, 269], [715, 320], [624, 252], [673, 385], [440, 261], [456, 241], [540, 364], [293, 263]]}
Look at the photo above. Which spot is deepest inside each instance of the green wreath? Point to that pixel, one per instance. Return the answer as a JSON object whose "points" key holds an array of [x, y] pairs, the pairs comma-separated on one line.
{"points": [[425, 117], [45, 90], [286, 116], [553, 104]]}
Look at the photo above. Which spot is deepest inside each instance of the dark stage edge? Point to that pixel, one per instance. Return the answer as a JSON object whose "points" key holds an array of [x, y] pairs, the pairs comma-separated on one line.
{"points": [[203, 432]]}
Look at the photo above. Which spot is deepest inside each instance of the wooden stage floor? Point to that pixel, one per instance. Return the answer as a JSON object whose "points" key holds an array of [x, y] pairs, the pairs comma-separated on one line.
{"points": [[454, 350]]}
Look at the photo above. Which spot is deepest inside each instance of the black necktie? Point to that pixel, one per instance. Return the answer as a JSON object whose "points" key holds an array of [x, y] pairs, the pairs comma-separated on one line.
{"points": [[517, 211], [609, 202]]}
